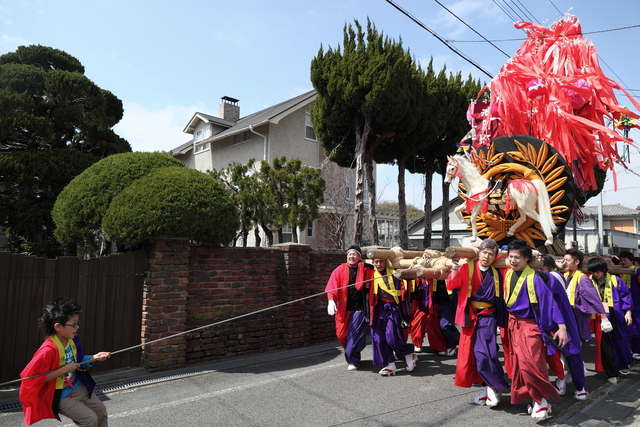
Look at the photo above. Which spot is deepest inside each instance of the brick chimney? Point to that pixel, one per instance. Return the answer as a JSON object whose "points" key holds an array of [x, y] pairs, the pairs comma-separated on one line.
{"points": [[229, 109]]}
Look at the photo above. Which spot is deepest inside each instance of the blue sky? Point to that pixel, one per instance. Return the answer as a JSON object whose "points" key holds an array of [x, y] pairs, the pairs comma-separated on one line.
{"points": [[166, 59]]}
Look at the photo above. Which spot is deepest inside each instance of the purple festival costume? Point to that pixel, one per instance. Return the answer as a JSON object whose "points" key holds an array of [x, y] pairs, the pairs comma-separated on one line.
{"points": [[389, 310], [633, 283], [528, 328], [573, 349], [618, 338], [478, 361], [585, 300]]}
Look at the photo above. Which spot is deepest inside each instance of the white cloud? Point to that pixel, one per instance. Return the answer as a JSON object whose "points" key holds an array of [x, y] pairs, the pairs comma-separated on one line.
{"points": [[160, 130], [4, 11], [10, 43], [469, 11]]}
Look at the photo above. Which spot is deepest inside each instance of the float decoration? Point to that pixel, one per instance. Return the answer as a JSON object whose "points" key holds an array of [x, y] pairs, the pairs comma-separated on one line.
{"points": [[554, 89], [506, 161]]}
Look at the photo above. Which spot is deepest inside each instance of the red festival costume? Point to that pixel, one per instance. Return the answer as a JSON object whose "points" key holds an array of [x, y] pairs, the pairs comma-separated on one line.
{"points": [[337, 288], [554, 89]]}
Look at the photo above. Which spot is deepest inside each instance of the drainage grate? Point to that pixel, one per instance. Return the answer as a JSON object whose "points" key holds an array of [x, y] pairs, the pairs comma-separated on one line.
{"points": [[12, 405], [118, 385]]}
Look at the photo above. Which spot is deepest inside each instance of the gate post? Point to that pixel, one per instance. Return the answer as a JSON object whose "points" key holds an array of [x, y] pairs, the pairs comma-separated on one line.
{"points": [[164, 304], [298, 320]]}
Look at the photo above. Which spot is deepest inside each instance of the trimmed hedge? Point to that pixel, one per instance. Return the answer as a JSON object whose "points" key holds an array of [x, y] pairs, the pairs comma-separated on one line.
{"points": [[80, 207], [172, 202]]}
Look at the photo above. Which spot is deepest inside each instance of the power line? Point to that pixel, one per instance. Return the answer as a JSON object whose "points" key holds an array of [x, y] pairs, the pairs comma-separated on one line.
{"points": [[471, 61], [545, 37], [505, 12], [614, 73], [514, 12], [556, 8], [436, 35], [529, 17], [471, 28]]}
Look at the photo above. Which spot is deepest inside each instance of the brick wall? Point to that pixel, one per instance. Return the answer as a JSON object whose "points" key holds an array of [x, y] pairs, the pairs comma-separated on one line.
{"points": [[190, 287]]}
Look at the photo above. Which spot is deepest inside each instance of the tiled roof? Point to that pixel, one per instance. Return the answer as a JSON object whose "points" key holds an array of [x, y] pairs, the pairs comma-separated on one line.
{"points": [[186, 146], [264, 115], [610, 210]]}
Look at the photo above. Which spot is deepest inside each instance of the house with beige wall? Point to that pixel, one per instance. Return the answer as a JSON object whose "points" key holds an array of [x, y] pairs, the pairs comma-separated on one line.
{"points": [[284, 129], [620, 226]]}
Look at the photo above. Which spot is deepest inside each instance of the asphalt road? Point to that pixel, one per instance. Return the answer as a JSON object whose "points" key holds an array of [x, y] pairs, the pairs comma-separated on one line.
{"points": [[317, 390]]}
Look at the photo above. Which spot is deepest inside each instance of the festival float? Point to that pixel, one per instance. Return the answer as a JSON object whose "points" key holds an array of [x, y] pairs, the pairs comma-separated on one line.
{"points": [[544, 135]]}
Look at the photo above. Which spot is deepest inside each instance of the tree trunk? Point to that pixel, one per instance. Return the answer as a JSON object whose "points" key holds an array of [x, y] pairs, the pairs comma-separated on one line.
{"points": [[256, 233], [358, 214], [245, 237], [446, 232], [402, 205], [268, 233], [428, 194], [371, 181], [373, 220], [294, 234]]}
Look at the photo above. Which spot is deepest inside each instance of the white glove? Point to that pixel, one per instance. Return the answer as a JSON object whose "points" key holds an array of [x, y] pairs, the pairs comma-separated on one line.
{"points": [[606, 326], [332, 307]]}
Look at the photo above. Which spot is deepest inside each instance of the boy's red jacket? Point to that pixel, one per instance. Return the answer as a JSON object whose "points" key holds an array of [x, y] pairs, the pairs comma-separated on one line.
{"points": [[39, 398]]}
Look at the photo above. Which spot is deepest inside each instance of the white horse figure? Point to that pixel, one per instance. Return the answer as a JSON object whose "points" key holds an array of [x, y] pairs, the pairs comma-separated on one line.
{"points": [[524, 194]]}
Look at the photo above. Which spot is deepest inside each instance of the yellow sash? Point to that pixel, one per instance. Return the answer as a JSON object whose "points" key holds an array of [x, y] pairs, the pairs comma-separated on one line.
{"points": [[609, 282], [379, 283], [572, 285], [62, 361], [626, 278], [527, 272], [496, 279]]}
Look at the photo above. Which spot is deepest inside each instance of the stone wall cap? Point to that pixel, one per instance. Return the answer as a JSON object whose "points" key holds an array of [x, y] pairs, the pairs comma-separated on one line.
{"points": [[292, 245]]}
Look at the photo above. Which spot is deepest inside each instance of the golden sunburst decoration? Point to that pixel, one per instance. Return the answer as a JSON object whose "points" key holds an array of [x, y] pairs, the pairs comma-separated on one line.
{"points": [[529, 158]]}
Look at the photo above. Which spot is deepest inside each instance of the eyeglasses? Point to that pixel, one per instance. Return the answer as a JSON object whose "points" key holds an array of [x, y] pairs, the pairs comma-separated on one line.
{"points": [[74, 326]]}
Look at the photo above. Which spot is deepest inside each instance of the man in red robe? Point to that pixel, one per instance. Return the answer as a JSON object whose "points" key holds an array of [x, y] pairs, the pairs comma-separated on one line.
{"points": [[478, 298], [347, 290]]}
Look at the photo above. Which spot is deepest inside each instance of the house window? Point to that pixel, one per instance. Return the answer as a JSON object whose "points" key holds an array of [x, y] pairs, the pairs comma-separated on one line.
{"points": [[310, 229], [202, 147], [203, 133], [287, 234], [241, 137], [308, 127]]}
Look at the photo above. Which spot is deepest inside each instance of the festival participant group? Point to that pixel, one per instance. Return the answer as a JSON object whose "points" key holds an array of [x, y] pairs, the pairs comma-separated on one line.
{"points": [[543, 317]]}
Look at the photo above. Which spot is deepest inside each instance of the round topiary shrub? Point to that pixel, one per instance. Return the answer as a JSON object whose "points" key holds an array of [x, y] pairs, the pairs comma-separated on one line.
{"points": [[172, 202], [80, 207]]}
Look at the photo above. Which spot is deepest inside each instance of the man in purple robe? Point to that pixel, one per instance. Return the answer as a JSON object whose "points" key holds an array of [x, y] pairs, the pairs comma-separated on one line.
{"points": [[617, 325], [582, 294], [533, 314], [572, 351], [633, 283], [389, 301]]}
